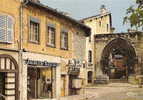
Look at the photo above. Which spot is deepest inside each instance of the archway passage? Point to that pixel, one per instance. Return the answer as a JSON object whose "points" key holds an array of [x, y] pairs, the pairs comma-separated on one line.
{"points": [[8, 78], [118, 59]]}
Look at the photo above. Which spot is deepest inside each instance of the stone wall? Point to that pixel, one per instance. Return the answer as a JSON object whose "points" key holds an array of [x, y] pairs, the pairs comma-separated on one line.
{"points": [[102, 40]]}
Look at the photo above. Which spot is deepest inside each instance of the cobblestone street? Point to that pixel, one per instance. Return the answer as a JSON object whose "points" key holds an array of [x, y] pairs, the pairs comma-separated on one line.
{"points": [[112, 91]]}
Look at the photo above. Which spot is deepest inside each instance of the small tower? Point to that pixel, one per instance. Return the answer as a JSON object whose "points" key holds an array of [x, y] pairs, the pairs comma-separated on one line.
{"points": [[103, 9]]}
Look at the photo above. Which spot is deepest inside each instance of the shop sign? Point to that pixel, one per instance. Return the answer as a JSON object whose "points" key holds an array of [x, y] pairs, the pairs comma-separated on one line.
{"points": [[74, 70], [40, 63]]}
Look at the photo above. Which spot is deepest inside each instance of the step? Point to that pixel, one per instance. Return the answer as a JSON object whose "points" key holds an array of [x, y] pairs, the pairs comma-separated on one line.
{"points": [[118, 80]]}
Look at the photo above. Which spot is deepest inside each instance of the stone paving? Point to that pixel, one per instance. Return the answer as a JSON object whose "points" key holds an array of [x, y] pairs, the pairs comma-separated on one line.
{"points": [[112, 91]]}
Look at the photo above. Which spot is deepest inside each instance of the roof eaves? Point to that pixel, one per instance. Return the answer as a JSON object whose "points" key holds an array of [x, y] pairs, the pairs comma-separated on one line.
{"points": [[96, 16], [59, 14], [119, 34]]}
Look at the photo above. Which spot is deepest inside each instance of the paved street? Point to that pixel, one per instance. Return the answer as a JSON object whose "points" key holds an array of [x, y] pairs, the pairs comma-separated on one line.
{"points": [[112, 91]]}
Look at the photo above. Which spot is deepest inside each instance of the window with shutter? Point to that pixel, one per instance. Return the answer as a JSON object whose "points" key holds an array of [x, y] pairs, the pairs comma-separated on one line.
{"points": [[34, 31], [6, 29], [64, 40], [51, 36]]}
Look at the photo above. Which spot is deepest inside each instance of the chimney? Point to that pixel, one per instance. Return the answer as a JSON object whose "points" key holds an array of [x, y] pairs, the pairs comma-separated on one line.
{"points": [[103, 9], [66, 14]]}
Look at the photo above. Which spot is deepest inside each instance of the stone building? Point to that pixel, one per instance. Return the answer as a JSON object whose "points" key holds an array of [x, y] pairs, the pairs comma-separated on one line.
{"points": [[120, 56], [39, 54], [99, 24]]}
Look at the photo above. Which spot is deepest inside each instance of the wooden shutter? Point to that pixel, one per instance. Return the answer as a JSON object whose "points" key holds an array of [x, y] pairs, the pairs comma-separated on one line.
{"points": [[9, 29], [2, 28], [6, 29]]}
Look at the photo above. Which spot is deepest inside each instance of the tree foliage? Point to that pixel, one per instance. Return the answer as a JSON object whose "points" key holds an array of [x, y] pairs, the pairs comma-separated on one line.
{"points": [[134, 15]]}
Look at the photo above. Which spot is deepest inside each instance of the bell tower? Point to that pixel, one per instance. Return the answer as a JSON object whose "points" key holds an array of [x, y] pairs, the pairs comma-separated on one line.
{"points": [[103, 9]]}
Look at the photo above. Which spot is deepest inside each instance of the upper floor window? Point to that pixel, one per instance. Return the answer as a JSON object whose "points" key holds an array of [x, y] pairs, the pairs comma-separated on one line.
{"points": [[107, 27], [6, 29], [51, 31], [90, 56], [64, 39], [100, 23], [34, 30], [90, 38]]}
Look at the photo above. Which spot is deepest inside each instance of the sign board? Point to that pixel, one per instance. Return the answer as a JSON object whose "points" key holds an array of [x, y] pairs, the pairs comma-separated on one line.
{"points": [[40, 63]]}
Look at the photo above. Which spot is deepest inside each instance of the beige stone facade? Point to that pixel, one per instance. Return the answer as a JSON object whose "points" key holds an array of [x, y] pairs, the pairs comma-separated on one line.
{"points": [[99, 24], [38, 63]]}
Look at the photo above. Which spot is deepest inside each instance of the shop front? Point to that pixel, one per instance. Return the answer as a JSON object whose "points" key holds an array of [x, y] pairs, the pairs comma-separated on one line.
{"points": [[42, 76], [75, 82]]}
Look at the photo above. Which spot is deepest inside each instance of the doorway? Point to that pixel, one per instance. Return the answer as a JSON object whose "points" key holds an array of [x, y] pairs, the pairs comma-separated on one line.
{"points": [[90, 77], [2, 85], [118, 59], [63, 85]]}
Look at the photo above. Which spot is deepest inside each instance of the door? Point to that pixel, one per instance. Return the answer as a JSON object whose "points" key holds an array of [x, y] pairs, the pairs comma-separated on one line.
{"points": [[90, 77], [63, 83], [32, 82], [2, 85]]}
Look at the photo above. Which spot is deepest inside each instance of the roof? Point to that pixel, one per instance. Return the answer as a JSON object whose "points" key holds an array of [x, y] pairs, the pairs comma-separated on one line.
{"points": [[60, 15], [96, 16], [118, 34]]}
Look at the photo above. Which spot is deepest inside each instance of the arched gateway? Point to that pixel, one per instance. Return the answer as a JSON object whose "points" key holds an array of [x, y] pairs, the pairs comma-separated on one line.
{"points": [[8, 78], [118, 59]]}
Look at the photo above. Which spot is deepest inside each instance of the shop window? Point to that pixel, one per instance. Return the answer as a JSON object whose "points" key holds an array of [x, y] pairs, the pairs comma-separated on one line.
{"points": [[51, 31], [40, 82], [64, 39], [90, 56], [6, 29], [34, 30]]}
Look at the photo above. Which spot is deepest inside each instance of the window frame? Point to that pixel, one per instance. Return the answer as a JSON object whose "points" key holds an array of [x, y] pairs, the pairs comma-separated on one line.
{"points": [[34, 21], [100, 24], [107, 26], [52, 27], [67, 33], [90, 56]]}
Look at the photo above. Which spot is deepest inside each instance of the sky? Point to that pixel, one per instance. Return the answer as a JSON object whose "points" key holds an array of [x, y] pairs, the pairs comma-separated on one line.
{"points": [[79, 9]]}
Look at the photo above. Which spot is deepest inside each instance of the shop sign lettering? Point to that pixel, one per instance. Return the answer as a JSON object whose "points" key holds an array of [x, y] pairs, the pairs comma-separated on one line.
{"points": [[40, 63]]}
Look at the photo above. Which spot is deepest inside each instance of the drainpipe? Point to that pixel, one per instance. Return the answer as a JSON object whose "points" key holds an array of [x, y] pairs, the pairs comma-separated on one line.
{"points": [[20, 47], [20, 50]]}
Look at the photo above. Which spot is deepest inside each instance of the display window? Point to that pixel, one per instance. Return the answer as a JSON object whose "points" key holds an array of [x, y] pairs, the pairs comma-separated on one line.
{"points": [[40, 82]]}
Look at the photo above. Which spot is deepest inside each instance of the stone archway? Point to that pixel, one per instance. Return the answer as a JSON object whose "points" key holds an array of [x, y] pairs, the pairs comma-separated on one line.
{"points": [[118, 59], [9, 75]]}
